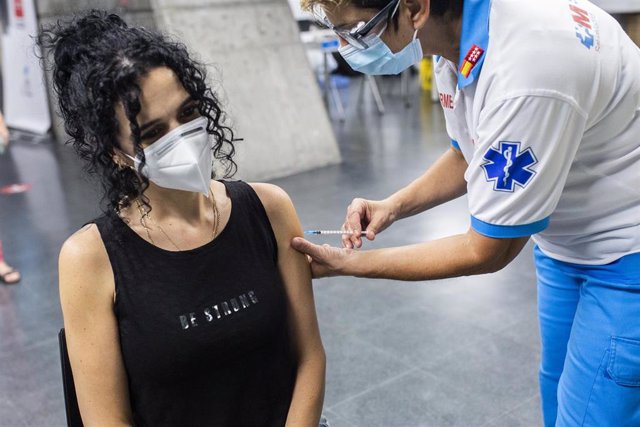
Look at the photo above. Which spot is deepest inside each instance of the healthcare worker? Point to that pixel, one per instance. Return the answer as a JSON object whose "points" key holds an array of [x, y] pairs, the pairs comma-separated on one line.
{"points": [[542, 103]]}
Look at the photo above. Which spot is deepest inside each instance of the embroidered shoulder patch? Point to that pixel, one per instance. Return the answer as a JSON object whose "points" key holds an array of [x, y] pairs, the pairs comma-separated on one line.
{"points": [[507, 166], [470, 60]]}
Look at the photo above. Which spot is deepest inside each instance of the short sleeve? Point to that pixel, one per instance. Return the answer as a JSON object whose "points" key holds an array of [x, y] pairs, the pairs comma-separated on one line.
{"points": [[524, 150]]}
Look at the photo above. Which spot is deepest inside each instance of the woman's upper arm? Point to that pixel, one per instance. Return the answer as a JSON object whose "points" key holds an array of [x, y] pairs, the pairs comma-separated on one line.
{"points": [[294, 268], [87, 295]]}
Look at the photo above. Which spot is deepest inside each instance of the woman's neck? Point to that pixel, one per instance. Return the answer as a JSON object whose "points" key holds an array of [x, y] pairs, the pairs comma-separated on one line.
{"points": [[169, 203]]}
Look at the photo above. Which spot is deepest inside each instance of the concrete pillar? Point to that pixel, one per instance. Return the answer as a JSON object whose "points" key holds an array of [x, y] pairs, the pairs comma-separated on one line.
{"points": [[254, 53], [49, 11], [256, 63]]}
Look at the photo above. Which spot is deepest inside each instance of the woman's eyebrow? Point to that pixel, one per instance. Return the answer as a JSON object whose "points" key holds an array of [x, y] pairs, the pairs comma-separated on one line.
{"points": [[153, 122], [186, 101], [148, 124]]}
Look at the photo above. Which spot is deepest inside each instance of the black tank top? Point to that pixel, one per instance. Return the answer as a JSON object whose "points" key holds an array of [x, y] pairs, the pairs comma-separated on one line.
{"points": [[203, 332]]}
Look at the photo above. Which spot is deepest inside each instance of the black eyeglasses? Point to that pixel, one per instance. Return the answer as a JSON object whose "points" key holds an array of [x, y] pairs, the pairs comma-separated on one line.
{"points": [[356, 34]]}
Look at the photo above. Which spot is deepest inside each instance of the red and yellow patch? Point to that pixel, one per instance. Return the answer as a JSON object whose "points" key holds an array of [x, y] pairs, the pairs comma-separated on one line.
{"points": [[470, 60]]}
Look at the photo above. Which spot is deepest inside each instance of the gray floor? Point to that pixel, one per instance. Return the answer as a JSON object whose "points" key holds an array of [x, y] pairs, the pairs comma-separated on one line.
{"points": [[459, 352]]}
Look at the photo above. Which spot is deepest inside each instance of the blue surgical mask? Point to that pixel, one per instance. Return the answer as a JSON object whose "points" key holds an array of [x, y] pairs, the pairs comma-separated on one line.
{"points": [[378, 59]]}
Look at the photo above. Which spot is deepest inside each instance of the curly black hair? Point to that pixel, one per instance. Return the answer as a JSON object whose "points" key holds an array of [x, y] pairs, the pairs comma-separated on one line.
{"points": [[98, 61]]}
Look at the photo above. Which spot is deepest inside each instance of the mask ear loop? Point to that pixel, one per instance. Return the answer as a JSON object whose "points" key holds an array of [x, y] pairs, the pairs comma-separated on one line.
{"points": [[417, 46], [134, 159]]}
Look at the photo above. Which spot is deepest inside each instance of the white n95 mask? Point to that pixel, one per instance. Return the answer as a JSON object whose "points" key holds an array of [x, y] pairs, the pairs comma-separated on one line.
{"points": [[182, 159], [378, 59]]}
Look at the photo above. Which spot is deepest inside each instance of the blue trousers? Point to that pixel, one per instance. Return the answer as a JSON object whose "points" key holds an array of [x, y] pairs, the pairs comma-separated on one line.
{"points": [[590, 328]]}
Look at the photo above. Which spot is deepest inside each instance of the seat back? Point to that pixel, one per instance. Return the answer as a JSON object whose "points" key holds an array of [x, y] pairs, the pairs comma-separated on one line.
{"points": [[70, 399]]}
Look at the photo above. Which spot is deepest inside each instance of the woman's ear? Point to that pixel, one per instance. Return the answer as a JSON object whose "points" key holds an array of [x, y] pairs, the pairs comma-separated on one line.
{"points": [[419, 10], [120, 159]]}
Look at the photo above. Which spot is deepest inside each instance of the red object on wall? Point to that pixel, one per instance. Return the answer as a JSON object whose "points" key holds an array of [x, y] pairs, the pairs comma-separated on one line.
{"points": [[15, 188], [18, 9]]}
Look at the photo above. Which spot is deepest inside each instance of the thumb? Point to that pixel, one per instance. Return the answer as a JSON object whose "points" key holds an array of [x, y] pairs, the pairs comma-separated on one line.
{"points": [[306, 247], [374, 228]]}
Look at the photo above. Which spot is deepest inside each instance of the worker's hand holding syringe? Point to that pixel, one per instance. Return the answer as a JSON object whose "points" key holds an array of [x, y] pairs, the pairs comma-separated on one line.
{"points": [[366, 218]]}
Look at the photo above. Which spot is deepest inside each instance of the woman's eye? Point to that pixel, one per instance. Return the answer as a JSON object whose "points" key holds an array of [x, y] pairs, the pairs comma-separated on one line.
{"points": [[150, 135], [189, 111]]}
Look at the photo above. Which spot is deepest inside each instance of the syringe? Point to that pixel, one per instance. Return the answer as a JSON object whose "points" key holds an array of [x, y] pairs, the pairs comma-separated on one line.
{"points": [[327, 232]]}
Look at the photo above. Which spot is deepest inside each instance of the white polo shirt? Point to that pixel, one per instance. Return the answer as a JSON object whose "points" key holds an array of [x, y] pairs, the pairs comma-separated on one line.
{"points": [[545, 107]]}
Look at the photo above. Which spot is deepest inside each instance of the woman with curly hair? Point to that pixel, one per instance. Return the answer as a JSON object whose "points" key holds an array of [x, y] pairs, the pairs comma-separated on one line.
{"points": [[184, 303]]}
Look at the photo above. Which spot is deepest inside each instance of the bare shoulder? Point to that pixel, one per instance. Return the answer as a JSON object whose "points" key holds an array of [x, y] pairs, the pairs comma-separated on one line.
{"points": [[85, 245], [279, 207], [84, 260], [274, 198]]}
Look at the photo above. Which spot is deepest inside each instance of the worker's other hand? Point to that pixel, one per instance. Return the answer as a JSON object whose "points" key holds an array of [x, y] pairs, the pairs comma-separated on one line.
{"points": [[325, 260], [368, 215]]}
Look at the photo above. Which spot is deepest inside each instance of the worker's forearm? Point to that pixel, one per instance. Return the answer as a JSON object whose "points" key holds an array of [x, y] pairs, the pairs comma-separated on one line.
{"points": [[449, 257], [442, 182]]}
